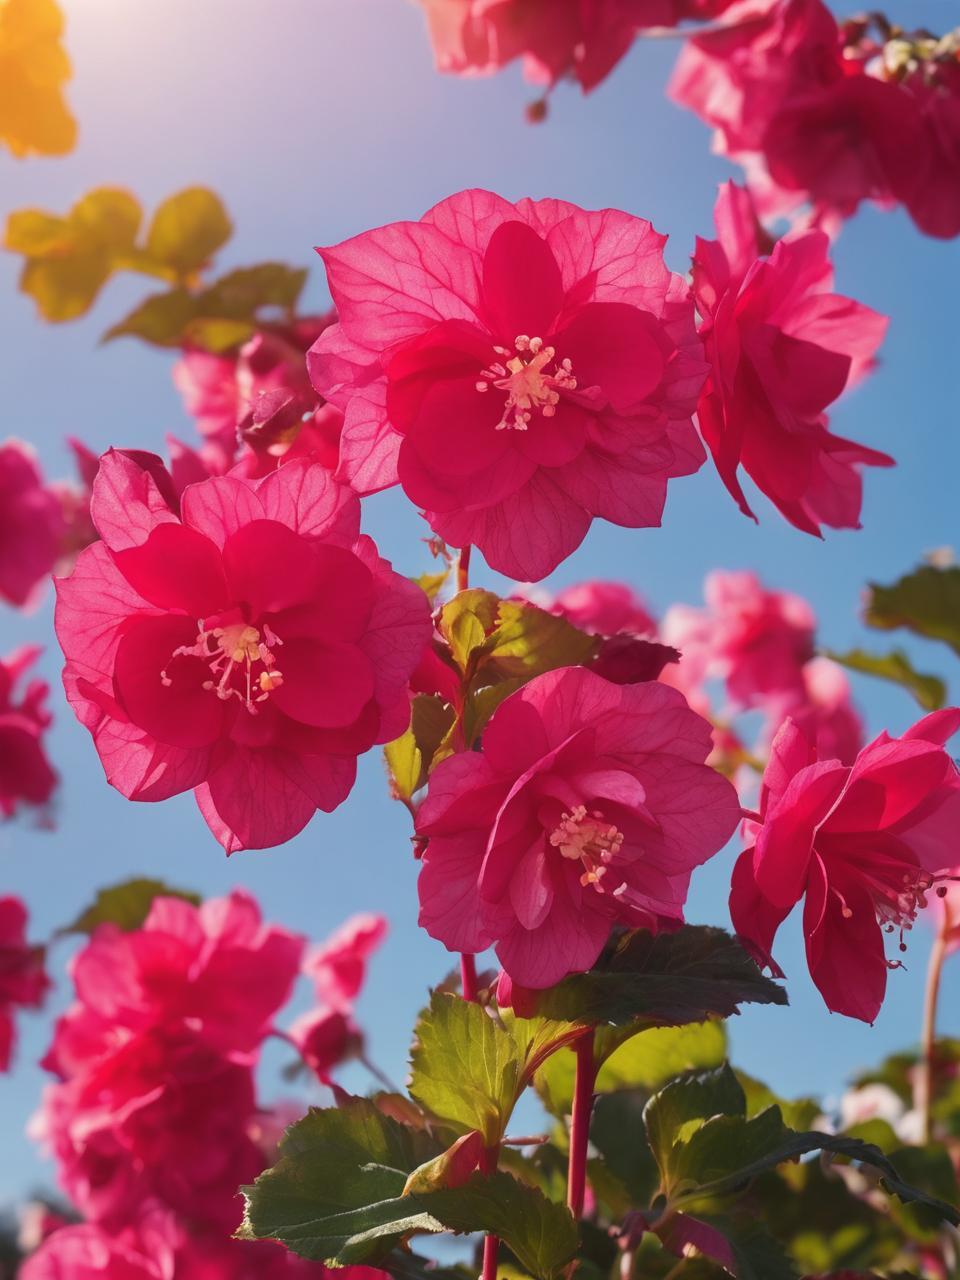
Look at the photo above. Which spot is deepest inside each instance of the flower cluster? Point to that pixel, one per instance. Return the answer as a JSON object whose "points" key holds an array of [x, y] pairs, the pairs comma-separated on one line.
{"points": [[249, 648], [23, 979], [581, 39], [154, 1118], [26, 776], [255, 407], [831, 115], [518, 368]]}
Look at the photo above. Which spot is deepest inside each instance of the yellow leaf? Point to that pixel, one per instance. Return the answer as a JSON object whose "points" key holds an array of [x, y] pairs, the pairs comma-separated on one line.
{"points": [[64, 288], [34, 119]]}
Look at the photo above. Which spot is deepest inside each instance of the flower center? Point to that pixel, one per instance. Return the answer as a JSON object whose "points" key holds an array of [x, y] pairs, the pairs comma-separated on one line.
{"points": [[898, 899], [588, 839], [526, 378], [233, 654]]}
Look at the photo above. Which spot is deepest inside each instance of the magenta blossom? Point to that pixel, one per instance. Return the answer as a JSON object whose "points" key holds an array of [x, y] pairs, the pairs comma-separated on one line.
{"points": [[32, 525], [338, 966], [23, 980], [862, 845], [602, 609], [590, 805], [519, 368], [250, 650], [823, 711], [782, 347], [26, 776], [757, 641]]}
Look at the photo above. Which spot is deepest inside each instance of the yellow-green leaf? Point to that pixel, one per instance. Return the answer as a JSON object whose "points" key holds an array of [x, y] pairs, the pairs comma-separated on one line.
{"points": [[926, 602], [187, 229], [108, 217], [929, 691], [64, 288], [36, 233], [466, 620]]}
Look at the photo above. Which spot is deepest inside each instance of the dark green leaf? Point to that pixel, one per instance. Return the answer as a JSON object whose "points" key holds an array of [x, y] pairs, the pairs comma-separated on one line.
{"points": [[926, 602], [336, 1195], [929, 691], [798, 1114], [682, 1107], [126, 905], [930, 1169], [669, 979], [618, 1133]]}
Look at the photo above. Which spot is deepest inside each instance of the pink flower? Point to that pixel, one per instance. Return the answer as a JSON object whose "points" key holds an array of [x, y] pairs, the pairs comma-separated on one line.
{"points": [[863, 845], [219, 391], [556, 38], [934, 202], [216, 968], [782, 347], [249, 650], [520, 369], [158, 1114], [32, 525], [603, 609], [328, 1035], [26, 776], [824, 712], [157, 1246], [338, 966], [23, 981], [757, 641], [590, 805]]}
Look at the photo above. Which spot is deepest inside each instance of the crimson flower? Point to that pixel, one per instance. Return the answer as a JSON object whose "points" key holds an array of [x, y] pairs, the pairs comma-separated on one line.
{"points": [[23, 980], [863, 845], [782, 347], [32, 525], [589, 805], [519, 369], [250, 650]]}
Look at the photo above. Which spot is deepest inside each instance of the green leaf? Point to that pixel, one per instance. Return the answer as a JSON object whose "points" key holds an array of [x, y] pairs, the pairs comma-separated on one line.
{"points": [[799, 1114], [126, 905], [618, 1133], [930, 1169], [465, 622], [695, 973], [187, 229], [540, 1233], [217, 334], [929, 691], [682, 1107], [409, 757], [336, 1195], [161, 319], [469, 1070], [926, 602], [634, 1060], [528, 642]]}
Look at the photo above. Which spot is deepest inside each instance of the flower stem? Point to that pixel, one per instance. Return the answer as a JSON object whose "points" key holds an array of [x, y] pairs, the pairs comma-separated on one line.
{"points": [[468, 976], [463, 569], [586, 1078], [491, 1244], [923, 1099]]}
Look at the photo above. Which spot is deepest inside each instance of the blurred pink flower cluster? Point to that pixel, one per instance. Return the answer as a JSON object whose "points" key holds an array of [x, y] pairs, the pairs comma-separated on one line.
{"points": [[828, 114], [154, 1119]]}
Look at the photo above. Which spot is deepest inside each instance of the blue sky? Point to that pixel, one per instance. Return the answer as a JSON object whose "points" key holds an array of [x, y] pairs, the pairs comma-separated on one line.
{"points": [[316, 119]]}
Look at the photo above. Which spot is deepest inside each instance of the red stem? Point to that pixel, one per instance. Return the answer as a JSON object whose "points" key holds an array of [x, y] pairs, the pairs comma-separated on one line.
{"points": [[463, 569], [468, 976], [580, 1124], [491, 1244]]}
